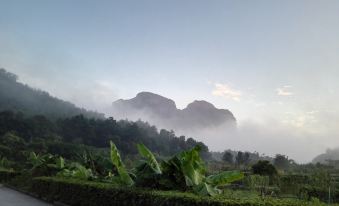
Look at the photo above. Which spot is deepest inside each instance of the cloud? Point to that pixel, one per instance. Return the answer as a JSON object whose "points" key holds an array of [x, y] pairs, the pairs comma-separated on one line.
{"points": [[284, 91], [306, 120], [224, 90], [95, 95]]}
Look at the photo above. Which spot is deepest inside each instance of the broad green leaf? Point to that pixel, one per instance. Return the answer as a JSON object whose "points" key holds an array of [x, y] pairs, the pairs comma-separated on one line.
{"points": [[205, 189], [116, 160], [33, 156], [78, 171], [37, 160], [224, 178], [82, 172], [60, 162], [192, 167], [151, 161]]}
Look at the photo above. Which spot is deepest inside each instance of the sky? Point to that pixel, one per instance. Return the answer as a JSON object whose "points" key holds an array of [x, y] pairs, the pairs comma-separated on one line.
{"points": [[274, 64]]}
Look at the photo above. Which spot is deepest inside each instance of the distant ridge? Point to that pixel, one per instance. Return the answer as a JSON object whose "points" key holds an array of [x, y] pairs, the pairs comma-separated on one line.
{"points": [[18, 97], [330, 154], [163, 112]]}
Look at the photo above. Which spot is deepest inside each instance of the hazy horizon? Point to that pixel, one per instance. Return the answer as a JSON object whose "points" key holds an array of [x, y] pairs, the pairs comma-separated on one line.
{"points": [[273, 64]]}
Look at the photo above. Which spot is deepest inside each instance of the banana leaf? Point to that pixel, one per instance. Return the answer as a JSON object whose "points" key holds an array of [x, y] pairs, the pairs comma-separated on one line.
{"points": [[151, 161], [205, 189], [76, 171], [59, 164], [116, 160], [224, 178], [192, 167]]}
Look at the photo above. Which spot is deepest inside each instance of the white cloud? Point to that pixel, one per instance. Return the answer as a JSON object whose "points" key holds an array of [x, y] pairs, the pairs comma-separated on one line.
{"points": [[284, 91], [306, 120], [224, 90], [96, 95]]}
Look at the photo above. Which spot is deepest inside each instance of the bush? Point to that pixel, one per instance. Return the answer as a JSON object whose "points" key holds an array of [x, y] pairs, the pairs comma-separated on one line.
{"points": [[86, 193], [265, 168]]}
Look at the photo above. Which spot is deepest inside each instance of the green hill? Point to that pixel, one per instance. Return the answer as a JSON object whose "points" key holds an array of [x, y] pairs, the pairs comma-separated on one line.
{"points": [[18, 97]]}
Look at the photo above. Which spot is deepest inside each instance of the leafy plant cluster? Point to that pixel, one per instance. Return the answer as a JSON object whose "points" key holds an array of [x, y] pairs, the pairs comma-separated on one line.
{"points": [[184, 171]]}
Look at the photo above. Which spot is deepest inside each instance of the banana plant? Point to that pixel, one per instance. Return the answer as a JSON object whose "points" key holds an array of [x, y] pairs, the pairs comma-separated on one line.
{"points": [[212, 182], [151, 160], [148, 172], [77, 171], [124, 177], [37, 160], [189, 166], [224, 178], [192, 167], [185, 169], [59, 164]]}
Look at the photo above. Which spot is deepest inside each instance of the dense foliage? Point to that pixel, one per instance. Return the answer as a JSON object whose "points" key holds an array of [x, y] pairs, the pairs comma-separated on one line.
{"points": [[40, 131]]}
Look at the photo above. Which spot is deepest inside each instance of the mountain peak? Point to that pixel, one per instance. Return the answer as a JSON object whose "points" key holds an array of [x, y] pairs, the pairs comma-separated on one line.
{"points": [[200, 104], [145, 102], [163, 112], [152, 98]]}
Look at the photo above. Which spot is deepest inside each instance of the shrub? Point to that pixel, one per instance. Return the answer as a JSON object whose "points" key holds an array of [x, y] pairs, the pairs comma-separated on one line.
{"points": [[264, 168]]}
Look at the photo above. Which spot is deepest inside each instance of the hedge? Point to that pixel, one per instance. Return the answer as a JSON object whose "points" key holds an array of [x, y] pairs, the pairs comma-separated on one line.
{"points": [[7, 175], [86, 193]]}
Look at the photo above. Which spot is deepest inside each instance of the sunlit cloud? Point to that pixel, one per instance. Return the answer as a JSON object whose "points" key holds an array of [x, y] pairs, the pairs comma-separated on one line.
{"points": [[224, 90], [284, 91], [302, 119]]}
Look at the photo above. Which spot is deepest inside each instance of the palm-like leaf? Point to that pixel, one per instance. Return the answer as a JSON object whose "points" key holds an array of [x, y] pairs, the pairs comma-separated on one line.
{"points": [[116, 160], [206, 189], [192, 167], [151, 161], [224, 178]]}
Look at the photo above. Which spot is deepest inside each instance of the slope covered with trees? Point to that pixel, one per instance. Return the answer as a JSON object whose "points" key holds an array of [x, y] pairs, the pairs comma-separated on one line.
{"points": [[16, 96], [95, 132]]}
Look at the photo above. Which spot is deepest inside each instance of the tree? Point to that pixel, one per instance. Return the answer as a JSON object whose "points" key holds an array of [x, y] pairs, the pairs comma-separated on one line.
{"points": [[281, 162], [228, 157], [246, 158], [264, 168], [8, 75], [239, 158]]}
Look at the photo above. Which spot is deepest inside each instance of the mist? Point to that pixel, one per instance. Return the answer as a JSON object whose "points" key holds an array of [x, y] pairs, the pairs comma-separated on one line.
{"points": [[267, 137], [283, 61]]}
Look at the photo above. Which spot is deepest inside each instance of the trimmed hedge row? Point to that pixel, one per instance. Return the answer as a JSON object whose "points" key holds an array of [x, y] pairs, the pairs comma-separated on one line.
{"points": [[7, 175], [85, 193]]}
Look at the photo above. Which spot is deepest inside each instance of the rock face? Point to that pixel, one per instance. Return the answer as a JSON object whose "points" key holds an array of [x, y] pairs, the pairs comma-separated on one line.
{"points": [[163, 112]]}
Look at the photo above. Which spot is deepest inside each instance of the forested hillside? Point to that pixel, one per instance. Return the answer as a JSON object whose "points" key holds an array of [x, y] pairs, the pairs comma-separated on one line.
{"points": [[95, 132], [16, 96]]}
